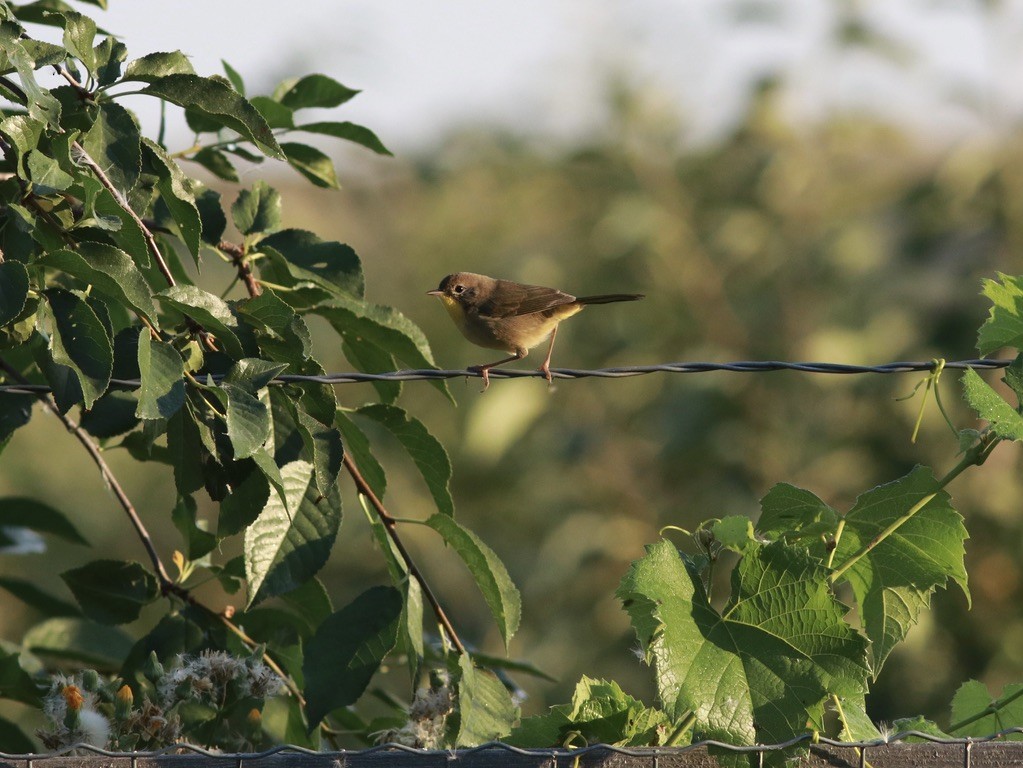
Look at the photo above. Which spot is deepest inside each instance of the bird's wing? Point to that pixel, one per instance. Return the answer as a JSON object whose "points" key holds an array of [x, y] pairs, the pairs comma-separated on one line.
{"points": [[518, 299]]}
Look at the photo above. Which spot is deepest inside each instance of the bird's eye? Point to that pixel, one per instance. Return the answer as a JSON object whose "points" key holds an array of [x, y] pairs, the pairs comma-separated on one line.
{"points": [[459, 289]]}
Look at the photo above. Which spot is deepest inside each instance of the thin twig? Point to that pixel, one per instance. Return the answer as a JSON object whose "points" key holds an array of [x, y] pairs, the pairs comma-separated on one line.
{"points": [[390, 525], [237, 256]]}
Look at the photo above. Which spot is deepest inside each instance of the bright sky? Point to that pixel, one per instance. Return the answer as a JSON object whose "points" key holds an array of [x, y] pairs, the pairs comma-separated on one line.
{"points": [[542, 66]]}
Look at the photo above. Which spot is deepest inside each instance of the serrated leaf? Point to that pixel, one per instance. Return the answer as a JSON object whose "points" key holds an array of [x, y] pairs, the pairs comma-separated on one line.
{"points": [[788, 511], [42, 105], [111, 415], [79, 640], [13, 290], [15, 412], [110, 54], [22, 134], [248, 421], [80, 342], [153, 66], [23, 512], [349, 131], [368, 357], [1004, 325], [487, 710], [243, 504], [856, 724], [115, 144], [311, 163], [79, 36], [500, 594], [213, 97], [46, 174], [329, 264], [111, 271], [346, 651], [734, 532], [176, 192], [324, 444], [253, 373], [257, 210], [162, 372], [982, 716], [1006, 422], [234, 77], [761, 668], [426, 451], [211, 214], [286, 546], [210, 311], [893, 582], [313, 91], [112, 591]]}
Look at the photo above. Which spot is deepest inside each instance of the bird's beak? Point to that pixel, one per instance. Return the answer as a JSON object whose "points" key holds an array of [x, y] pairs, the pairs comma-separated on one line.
{"points": [[435, 293]]}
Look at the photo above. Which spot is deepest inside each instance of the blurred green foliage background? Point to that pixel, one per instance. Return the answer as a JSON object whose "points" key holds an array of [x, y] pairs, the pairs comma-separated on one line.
{"points": [[844, 241]]}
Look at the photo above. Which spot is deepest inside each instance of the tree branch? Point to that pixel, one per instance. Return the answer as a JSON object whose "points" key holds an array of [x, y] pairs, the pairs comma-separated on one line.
{"points": [[237, 255]]}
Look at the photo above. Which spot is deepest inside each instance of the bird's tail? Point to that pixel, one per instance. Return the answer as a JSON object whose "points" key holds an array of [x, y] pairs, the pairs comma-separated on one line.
{"points": [[609, 298]]}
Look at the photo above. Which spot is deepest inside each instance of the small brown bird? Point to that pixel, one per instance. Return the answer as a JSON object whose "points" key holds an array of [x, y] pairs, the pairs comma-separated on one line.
{"points": [[501, 314]]}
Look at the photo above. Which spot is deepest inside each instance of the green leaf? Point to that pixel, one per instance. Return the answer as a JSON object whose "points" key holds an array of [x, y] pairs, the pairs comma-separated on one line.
{"points": [[23, 512], [15, 412], [112, 591], [384, 327], [110, 54], [248, 421], [80, 342], [347, 649], [15, 683], [366, 356], [79, 36], [894, 580], [324, 444], [23, 134], [210, 311], [329, 264], [81, 641], [1006, 422], [243, 504], [313, 91], [1004, 325], [487, 570], [162, 372], [211, 215], [198, 542], [277, 115], [311, 603], [153, 66], [115, 144], [215, 162], [13, 290], [311, 163], [762, 667], [426, 451], [349, 131], [856, 724], [42, 105], [33, 596], [234, 77], [734, 532], [257, 210], [46, 174], [215, 98], [111, 415], [486, 707], [176, 192], [982, 716], [110, 271], [286, 546], [358, 447], [794, 513], [252, 374]]}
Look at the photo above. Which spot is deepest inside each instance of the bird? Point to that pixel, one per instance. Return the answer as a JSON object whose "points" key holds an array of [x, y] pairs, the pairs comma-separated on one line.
{"points": [[513, 317]]}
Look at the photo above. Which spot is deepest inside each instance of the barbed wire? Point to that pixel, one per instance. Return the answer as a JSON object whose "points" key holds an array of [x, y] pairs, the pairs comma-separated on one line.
{"points": [[806, 738], [434, 374]]}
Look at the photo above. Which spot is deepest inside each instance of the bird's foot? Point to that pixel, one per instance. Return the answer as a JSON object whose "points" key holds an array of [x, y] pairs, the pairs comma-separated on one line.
{"points": [[545, 369], [484, 372]]}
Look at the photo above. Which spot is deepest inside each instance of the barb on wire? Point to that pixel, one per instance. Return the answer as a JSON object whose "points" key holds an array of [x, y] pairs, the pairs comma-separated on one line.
{"points": [[427, 374], [499, 746]]}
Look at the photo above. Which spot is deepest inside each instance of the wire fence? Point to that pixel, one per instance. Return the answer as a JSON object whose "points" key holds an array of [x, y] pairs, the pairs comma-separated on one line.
{"points": [[434, 374], [806, 739]]}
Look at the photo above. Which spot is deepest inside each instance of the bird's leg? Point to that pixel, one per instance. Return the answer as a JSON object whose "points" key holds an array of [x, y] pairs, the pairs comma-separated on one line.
{"points": [[483, 370], [545, 369]]}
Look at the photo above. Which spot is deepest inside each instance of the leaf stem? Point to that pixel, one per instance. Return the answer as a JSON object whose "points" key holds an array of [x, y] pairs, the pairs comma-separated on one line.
{"points": [[991, 709], [683, 728], [390, 525]]}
